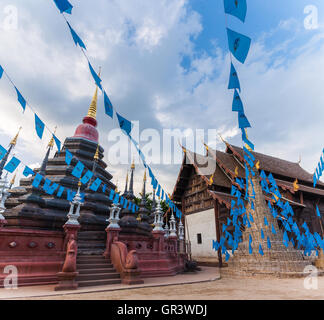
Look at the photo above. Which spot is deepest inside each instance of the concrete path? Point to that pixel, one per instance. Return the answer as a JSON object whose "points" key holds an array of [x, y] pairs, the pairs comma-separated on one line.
{"points": [[206, 274]]}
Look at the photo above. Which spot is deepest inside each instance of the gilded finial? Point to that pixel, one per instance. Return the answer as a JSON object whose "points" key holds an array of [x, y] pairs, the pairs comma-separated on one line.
{"points": [[13, 179], [96, 156], [133, 164], [51, 143], [79, 183], [92, 112], [144, 179], [14, 140]]}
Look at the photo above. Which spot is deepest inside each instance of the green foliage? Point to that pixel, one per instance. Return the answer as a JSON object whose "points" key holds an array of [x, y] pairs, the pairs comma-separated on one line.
{"points": [[149, 202]]}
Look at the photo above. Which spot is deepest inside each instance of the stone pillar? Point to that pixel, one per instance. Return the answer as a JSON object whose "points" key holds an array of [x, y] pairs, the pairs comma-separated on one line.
{"points": [[113, 229], [69, 273]]}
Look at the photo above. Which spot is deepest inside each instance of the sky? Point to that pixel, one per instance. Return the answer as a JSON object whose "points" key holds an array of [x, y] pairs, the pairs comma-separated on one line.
{"points": [[165, 64]]}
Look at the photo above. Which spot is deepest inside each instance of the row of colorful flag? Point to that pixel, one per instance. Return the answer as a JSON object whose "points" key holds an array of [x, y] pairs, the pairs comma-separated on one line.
{"points": [[125, 125], [319, 170], [78, 171]]}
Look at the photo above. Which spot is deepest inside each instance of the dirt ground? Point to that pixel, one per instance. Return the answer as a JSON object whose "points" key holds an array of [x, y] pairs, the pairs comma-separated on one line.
{"points": [[232, 289]]}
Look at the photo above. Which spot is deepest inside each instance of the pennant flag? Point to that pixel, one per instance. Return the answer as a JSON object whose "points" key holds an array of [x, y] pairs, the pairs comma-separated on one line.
{"points": [[262, 234], [314, 180], [268, 243], [227, 256], [108, 106], [250, 239], [27, 171], [261, 250], [37, 180], [104, 188], [247, 141], [116, 199], [236, 8], [266, 221], [12, 165], [70, 194], [64, 6], [234, 82], [95, 76], [238, 44], [273, 230], [57, 142], [237, 104], [21, 99], [48, 188], [125, 204], [95, 185], [39, 126], [60, 192], [77, 171], [77, 40], [158, 191], [243, 121], [133, 208], [318, 212], [1, 71], [68, 157], [86, 177], [124, 124], [3, 151], [111, 195], [250, 249]]}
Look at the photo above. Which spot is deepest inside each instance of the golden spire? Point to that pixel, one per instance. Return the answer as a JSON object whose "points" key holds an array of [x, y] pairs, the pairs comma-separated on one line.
{"points": [[133, 164], [79, 183], [51, 143], [14, 140], [13, 179], [144, 179], [92, 112], [96, 156]]}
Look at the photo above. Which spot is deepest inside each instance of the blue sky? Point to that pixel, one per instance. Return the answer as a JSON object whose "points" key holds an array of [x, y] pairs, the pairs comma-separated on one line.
{"points": [[166, 64]]}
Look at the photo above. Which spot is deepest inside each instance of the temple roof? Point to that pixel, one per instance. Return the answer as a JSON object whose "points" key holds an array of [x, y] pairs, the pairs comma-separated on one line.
{"points": [[278, 166]]}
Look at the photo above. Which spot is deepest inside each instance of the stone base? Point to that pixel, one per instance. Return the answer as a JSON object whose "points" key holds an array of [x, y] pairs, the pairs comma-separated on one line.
{"points": [[67, 281]]}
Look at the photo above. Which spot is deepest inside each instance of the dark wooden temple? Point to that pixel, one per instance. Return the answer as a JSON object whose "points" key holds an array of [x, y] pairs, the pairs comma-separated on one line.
{"points": [[196, 192]]}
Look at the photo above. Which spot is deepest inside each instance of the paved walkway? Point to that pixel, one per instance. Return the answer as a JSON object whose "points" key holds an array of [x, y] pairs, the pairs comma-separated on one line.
{"points": [[206, 274]]}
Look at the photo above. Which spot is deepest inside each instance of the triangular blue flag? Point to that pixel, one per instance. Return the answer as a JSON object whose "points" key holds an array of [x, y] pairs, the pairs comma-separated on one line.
{"points": [[1, 71], [48, 188], [77, 40], [57, 142], [3, 151], [261, 250], [125, 204], [266, 221], [12, 165], [236, 8], [246, 140], [262, 234], [21, 99], [104, 187], [37, 180], [250, 249], [237, 104], [273, 230], [227, 256], [68, 157], [60, 192], [318, 212], [116, 199], [234, 82], [124, 124], [238, 44], [39, 126], [64, 6], [95, 76], [27, 171], [243, 121], [111, 194], [70, 194], [95, 185], [268, 243], [86, 177], [108, 105], [77, 171]]}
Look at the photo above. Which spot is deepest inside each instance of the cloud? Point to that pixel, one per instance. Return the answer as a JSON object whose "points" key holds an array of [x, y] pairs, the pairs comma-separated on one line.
{"points": [[141, 46]]}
